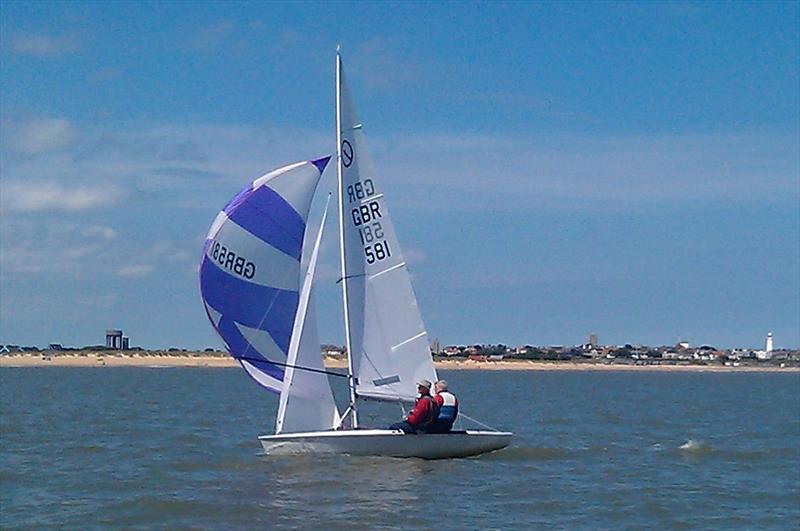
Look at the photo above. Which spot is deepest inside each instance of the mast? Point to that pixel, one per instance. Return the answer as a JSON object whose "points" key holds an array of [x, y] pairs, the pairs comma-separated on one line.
{"points": [[350, 379]]}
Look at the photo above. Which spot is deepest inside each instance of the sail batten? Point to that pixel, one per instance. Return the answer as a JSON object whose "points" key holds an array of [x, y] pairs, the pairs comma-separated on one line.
{"points": [[387, 270], [410, 339]]}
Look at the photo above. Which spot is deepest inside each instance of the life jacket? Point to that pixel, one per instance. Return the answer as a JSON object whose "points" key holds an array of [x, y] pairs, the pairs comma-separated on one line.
{"points": [[431, 412], [448, 411]]}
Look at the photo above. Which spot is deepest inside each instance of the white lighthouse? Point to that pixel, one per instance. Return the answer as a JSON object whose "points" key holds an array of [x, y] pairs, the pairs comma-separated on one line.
{"points": [[769, 347]]}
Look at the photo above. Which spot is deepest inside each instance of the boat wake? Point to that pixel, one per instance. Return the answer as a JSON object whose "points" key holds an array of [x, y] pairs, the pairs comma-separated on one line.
{"points": [[694, 446]]}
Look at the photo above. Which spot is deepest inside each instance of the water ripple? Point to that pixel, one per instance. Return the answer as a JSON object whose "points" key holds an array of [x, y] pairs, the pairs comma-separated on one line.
{"points": [[143, 448]]}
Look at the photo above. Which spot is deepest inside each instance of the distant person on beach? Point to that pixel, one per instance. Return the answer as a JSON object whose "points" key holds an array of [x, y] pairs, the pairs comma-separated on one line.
{"points": [[447, 403], [424, 413]]}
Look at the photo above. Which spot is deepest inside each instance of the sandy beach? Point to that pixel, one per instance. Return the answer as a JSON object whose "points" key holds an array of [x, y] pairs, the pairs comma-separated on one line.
{"points": [[201, 359]]}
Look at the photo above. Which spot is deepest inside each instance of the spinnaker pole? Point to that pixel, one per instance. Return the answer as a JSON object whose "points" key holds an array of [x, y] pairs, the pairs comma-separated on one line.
{"points": [[339, 172]]}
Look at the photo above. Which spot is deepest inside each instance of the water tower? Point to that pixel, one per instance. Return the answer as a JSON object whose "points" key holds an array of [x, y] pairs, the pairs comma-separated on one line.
{"points": [[116, 340]]}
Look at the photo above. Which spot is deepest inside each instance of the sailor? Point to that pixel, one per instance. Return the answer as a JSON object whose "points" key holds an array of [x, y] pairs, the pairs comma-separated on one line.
{"points": [[424, 413], [447, 404]]}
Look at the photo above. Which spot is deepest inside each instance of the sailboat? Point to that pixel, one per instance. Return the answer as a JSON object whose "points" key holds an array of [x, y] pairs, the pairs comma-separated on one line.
{"points": [[256, 300]]}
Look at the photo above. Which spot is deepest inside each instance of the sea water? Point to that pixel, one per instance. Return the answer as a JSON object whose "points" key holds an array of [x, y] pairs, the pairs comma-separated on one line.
{"points": [[99, 448]]}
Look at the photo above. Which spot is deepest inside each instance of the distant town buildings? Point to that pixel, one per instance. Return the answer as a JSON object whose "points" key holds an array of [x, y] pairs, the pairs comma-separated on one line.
{"points": [[592, 352], [681, 353]]}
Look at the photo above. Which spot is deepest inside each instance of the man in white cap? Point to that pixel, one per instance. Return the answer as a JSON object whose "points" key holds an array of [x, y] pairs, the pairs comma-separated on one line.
{"points": [[424, 413]]}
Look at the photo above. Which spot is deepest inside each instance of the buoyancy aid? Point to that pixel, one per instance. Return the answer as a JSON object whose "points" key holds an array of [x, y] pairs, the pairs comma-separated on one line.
{"points": [[433, 412], [425, 412], [448, 408]]}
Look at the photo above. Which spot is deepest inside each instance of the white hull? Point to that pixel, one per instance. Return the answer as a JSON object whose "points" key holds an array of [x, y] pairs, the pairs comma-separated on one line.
{"points": [[387, 443]]}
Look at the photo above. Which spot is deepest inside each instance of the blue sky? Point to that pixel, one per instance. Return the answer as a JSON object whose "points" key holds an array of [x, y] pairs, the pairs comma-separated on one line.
{"points": [[553, 169]]}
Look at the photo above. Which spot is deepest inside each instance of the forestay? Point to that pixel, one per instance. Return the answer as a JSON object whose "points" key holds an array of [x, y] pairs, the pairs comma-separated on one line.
{"points": [[250, 270], [388, 341]]}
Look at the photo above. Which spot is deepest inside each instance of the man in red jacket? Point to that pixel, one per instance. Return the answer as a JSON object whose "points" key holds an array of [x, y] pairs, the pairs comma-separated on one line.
{"points": [[424, 413]]}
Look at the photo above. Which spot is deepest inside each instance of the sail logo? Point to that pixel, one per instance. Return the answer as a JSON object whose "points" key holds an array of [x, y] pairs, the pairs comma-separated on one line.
{"points": [[347, 154], [231, 261]]}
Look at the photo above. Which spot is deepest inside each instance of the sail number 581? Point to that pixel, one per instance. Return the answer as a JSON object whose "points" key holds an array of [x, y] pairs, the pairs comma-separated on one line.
{"points": [[377, 251], [374, 247]]}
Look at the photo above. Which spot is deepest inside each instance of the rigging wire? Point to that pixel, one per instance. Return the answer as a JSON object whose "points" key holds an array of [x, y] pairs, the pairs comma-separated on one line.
{"points": [[350, 276], [476, 421], [300, 367]]}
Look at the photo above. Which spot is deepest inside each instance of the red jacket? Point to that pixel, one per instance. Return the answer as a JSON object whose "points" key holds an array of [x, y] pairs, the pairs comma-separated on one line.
{"points": [[424, 412]]}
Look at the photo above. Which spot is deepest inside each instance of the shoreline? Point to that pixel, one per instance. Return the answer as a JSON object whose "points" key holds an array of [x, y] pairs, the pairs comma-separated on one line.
{"points": [[196, 359]]}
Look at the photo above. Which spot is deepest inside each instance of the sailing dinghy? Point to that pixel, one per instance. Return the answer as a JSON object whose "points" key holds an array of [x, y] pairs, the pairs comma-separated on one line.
{"points": [[254, 296]]}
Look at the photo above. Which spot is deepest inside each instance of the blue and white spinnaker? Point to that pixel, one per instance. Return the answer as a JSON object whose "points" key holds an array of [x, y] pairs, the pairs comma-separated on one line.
{"points": [[250, 270]]}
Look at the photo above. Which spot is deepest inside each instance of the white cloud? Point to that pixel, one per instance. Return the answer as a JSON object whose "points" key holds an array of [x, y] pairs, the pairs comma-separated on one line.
{"points": [[79, 252], [414, 256], [157, 176], [97, 231], [60, 248], [169, 251], [135, 270], [480, 172], [381, 65], [43, 246], [22, 258], [40, 45], [190, 167], [211, 37], [104, 300], [287, 40], [40, 136], [143, 262], [55, 196], [106, 74]]}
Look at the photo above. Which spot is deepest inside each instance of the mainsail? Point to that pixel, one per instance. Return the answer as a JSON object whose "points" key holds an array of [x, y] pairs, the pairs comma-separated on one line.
{"points": [[250, 270], [387, 340]]}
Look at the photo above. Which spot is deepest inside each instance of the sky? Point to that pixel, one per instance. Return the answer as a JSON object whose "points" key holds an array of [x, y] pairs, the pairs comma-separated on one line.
{"points": [[553, 169]]}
